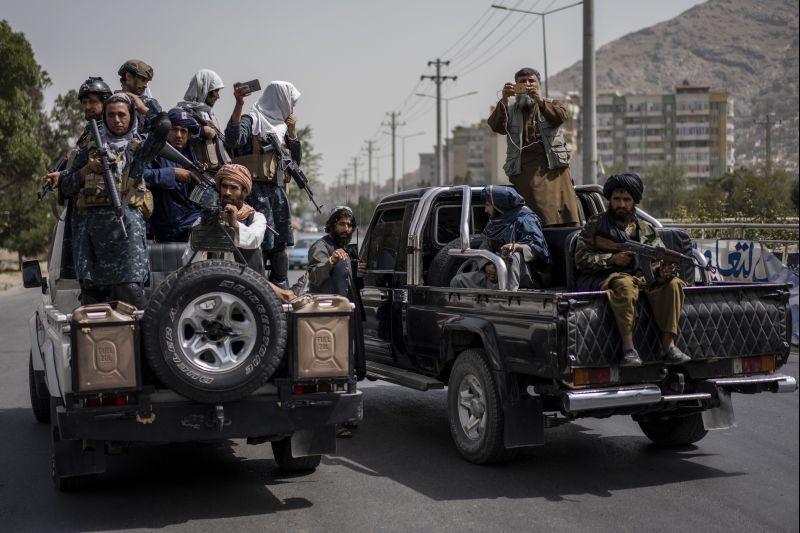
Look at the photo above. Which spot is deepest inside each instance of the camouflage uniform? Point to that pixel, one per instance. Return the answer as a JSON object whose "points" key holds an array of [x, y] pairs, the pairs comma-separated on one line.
{"points": [[108, 266], [623, 284]]}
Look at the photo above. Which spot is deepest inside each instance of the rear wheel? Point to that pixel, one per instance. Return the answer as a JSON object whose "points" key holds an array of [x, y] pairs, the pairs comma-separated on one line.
{"points": [[282, 450], [474, 410], [674, 431], [40, 403]]}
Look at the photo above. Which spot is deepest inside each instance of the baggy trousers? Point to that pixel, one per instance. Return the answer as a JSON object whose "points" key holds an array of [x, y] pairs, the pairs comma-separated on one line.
{"points": [[666, 301]]}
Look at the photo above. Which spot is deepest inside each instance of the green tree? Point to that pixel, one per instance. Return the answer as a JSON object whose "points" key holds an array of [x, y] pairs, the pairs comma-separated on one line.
{"points": [[24, 222], [64, 124], [665, 188], [311, 165]]}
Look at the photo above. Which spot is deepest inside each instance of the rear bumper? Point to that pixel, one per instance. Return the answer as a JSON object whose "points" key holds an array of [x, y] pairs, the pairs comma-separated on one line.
{"points": [[647, 395], [260, 416]]}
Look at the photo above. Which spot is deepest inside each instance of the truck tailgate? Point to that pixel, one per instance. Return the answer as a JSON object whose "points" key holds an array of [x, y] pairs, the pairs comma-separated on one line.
{"points": [[717, 322]]}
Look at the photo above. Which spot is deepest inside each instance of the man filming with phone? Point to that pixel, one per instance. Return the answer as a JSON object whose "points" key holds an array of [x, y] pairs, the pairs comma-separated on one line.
{"points": [[249, 139], [537, 157]]}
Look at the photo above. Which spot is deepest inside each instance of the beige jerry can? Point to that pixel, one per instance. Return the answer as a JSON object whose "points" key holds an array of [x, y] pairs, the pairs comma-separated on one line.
{"points": [[104, 348], [321, 329]]}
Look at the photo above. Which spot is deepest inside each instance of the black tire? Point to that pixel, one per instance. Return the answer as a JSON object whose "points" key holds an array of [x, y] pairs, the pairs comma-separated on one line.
{"points": [[39, 404], [282, 450], [444, 266], [485, 445], [672, 432], [200, 372]]}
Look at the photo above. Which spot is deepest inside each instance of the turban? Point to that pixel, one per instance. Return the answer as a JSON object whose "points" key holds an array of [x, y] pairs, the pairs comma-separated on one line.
{"points": [[183, 118], [237, 173], [629, 182]]}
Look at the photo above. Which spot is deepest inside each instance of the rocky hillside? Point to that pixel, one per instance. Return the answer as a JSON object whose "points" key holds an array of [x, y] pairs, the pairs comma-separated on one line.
{"points": [[747, 47]]}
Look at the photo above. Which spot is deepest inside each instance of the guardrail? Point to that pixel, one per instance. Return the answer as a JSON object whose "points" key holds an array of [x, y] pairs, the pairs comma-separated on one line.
{"points": [[740, 230]]}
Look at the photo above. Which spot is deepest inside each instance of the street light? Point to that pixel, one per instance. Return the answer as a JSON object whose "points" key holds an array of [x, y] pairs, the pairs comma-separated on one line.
{"points": [[447, 123], [403, 145], [544, 38]]}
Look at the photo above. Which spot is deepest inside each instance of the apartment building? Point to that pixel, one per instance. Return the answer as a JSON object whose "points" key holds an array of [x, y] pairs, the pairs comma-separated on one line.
{"points": [[691, 127]]}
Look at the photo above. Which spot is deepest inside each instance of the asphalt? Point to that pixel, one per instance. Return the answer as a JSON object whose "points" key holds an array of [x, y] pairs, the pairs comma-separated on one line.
{"points": [[401, 472]]}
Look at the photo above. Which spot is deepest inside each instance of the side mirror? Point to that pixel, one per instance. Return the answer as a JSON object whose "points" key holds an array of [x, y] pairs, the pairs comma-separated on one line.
{"points": [[31, 274]]}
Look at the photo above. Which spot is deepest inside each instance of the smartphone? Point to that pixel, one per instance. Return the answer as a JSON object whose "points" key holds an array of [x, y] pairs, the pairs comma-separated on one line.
{"points": [[520, 88], [253, 85]]}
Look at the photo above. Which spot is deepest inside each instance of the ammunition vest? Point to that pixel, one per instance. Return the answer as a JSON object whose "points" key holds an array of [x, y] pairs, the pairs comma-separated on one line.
{"points": [[135, 194], [262, 162]]}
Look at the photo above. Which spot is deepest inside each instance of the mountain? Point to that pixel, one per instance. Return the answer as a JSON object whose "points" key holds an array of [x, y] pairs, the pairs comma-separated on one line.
{"points": [[746, 47]]}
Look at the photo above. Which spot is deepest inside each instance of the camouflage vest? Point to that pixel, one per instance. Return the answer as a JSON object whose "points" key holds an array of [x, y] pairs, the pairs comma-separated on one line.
{"points": [[261, 162]]}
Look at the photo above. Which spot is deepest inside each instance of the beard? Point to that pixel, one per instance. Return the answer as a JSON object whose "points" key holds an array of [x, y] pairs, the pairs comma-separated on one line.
{"points": [[340, 240], [622, 216], [238, 202]]}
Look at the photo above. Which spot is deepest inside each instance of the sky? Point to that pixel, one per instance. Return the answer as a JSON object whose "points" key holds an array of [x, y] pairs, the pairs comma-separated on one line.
{"points": [[353, 60]]}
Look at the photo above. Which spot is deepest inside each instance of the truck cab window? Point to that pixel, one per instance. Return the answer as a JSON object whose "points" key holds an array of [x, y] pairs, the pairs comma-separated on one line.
{"points": [[384, 240]]}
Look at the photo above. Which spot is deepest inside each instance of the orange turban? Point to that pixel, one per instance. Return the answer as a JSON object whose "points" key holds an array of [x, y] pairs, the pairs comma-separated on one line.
{"points": [[237, 173]]}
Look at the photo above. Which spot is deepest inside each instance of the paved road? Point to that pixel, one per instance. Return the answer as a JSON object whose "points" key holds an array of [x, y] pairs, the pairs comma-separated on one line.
{"points": [[401, 473]]}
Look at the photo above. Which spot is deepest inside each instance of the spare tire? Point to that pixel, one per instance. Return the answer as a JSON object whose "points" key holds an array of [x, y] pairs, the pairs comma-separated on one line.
{"points": [[444, 266], [214, 331]]}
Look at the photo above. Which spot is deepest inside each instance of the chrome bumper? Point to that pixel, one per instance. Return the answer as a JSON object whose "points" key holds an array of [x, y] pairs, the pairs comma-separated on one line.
{"points": [[579, 401]]}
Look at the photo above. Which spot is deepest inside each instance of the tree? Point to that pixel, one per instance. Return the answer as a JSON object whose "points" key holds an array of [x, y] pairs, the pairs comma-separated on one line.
{"points": [[24, 222], [311, 165], [665, 187], [63, 125]]}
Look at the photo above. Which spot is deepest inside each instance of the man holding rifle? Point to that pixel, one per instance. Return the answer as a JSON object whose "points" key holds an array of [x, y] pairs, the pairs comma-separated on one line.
{"points": [[172, 183], [605, 265], [111, 255]]}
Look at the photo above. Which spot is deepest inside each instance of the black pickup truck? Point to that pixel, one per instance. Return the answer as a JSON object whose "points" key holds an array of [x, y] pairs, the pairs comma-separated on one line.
{"points": [[518, 362]]}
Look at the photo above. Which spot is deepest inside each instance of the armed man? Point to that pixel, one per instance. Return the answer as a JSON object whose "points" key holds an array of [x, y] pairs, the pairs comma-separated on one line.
{"points": [[92, 94], [619, 275], [134, 76], [253, 140], [111, 258], [171, 183]]}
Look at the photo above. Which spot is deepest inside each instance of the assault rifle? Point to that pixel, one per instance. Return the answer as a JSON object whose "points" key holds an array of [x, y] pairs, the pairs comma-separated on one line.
{"points": [[287, 166], [59, 166], [646, 254], [108, 177]]}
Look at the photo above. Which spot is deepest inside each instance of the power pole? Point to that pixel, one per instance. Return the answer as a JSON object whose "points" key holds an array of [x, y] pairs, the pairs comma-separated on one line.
{"points": [[355, 178], [393, 124], [588, 105], [346, 190], [438, 79], [370, 148], [769, 122]]}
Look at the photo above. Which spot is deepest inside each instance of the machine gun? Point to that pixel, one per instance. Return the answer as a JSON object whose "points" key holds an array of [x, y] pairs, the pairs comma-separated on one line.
{"points": [[287, 166], [646, 254], [108, 177], [205, 194], [59, 166]]}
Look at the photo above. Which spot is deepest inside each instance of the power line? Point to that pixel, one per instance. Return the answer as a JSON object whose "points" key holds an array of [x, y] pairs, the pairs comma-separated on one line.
{"points": [[480, 39]]}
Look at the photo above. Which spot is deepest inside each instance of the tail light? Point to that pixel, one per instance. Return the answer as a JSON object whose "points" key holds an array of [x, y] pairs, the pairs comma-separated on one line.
{"points": [[753, 365], [593, 375]]}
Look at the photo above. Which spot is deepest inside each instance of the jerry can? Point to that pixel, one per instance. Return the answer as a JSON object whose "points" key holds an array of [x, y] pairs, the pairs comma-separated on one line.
{"points": [[105, 348], [321, 326]]}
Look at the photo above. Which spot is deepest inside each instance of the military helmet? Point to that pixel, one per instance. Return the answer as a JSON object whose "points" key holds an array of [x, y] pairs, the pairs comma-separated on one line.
{"points": [[95, 86]]}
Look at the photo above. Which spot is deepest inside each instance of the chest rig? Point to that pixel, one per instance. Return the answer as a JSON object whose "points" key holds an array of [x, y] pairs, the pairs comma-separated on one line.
{"points": [[263, 162]]}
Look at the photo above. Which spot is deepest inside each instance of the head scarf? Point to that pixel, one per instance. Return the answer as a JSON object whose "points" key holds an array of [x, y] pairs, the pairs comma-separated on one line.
{"points": [[269, 114], [513, 222], [629, 182], [183, 118], [118, 144], [238, 174], [200, 85]]}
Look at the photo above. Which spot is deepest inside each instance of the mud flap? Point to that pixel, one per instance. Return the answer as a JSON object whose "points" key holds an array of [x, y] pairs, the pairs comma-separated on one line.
{"points": [[523, 424], [317, 441], [720, 417], [73, 458]]}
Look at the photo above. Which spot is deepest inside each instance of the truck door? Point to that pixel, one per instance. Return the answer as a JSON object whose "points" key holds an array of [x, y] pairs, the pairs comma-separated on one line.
{"points": [[384, 254]]}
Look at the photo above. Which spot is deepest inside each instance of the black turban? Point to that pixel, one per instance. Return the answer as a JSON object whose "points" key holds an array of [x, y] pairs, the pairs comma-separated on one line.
{"points": [[629, 181]]}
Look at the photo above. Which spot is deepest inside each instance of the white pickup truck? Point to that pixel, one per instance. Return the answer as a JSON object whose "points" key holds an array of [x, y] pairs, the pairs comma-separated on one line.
{"points": [[214, 356]]}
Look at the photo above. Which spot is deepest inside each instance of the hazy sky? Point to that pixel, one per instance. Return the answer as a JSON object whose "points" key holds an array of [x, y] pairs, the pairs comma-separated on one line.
{"points": [[353, 61]]}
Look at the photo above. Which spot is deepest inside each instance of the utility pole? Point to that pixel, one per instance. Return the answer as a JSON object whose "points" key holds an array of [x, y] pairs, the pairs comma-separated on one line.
{"points": [[346, 190], [438, 79], [393, 124], [769, 122], [369, 149], [588, 105], [355, 178]]}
